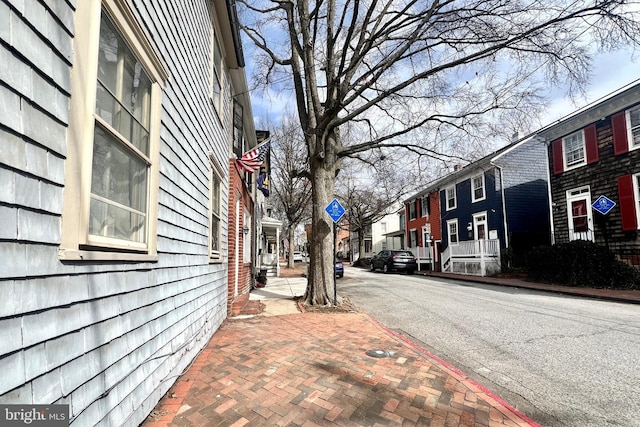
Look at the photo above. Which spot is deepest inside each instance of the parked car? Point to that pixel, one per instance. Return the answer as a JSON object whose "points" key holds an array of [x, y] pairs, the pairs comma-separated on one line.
{"points": [[297, 256], [394, 261], [339, 268]]}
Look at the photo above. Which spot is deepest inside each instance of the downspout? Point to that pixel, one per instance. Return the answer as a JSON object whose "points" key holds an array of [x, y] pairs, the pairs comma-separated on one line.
{"points": [[504, 206], [551, 221]]}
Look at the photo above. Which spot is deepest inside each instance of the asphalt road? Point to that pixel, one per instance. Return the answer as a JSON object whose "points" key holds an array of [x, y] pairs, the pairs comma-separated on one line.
{"points": [[562, 361]]}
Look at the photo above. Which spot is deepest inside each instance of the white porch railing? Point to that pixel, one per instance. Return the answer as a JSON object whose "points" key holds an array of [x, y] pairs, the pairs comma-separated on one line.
{"points": [[475, 257], [424, 255]]}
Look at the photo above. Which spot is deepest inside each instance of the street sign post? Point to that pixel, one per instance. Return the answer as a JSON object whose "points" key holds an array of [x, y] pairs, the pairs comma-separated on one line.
{"points": [[335, 211], [603, 204]]}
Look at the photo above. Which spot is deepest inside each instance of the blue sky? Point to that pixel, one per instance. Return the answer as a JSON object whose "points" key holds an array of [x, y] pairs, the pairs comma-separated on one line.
{"points": [[611, 71]]}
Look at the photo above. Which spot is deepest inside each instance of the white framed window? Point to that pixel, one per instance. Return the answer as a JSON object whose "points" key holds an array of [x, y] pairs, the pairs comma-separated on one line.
{"points": [[451, 197], [413, 238], [424, 203], [477, 188], [452, 231], [633, 127], [573, 147], [111, 171], [480, 226], [579, 216], [426, 234], [215, 85], [215, 215]]}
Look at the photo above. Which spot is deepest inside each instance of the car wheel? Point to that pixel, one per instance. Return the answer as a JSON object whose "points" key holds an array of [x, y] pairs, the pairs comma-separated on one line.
{"points": [[409, 271], [385, 268]]}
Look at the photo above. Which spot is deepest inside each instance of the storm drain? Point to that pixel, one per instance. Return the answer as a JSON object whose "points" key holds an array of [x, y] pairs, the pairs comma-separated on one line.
{"points": [[379, 354]]}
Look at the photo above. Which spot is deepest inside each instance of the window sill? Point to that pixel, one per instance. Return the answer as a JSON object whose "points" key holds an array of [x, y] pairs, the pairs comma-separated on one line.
{"points": [[80, 255]]}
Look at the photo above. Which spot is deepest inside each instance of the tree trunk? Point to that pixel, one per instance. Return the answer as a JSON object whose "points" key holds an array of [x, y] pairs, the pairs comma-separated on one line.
{"points": [[292, 231], [361, 246], [320, 287]]}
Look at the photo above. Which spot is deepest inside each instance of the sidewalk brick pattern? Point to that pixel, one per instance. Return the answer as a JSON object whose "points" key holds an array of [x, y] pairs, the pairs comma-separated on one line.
{"points": [[311, 370]]}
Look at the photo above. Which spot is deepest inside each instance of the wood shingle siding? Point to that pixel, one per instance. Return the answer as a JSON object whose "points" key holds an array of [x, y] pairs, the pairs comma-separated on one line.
{"points": [[106, 337]]}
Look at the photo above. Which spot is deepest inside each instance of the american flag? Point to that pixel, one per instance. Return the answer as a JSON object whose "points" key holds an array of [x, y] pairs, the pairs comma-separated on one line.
{"points": [[253, 159]]}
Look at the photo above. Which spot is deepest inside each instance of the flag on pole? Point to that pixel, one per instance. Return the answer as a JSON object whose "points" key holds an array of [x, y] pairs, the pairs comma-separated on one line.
{"points": [[253, 159], [263, 184]]}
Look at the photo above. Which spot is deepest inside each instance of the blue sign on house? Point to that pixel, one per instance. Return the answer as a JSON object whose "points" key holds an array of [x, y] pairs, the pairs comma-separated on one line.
{"points": [[603, 205], [335, 210]]}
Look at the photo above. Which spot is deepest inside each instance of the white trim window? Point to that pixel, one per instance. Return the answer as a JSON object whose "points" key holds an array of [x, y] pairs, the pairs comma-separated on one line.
{"points": [[216, 81], [633, 127], [111, 175], [450, 193], [424, 204], [579, 216], [413, 237], [452, 231], [574, 150], [215, 216], [477, 188]]}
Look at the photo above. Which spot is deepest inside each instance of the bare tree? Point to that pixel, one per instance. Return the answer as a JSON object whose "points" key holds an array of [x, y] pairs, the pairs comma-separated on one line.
{"points": [[391, 67], [291, 186], [370, 195]]}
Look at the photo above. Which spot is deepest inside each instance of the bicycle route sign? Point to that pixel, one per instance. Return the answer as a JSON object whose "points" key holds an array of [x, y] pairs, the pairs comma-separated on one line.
{"points": [[335, 210], [603, 205]]}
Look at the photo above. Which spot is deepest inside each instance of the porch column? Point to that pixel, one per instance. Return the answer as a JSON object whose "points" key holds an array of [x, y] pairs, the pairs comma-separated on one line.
{"points": [[278, 252]]}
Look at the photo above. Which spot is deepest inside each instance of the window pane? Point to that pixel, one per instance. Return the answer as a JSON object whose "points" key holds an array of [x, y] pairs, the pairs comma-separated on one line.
{"points": [[108, 220], [124, 88], [634, 119], [481, 232], [574, 149], [118, 175], [579, 214], [215, 195], [215, 232]]}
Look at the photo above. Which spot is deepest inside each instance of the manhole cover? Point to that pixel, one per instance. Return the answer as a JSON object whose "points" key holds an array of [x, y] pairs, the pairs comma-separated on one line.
{"points": [[376, 353]]}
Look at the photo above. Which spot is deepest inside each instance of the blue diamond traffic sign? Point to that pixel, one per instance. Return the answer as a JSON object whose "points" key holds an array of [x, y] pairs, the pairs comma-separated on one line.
{"points": [[603, 205], [335, 210]]}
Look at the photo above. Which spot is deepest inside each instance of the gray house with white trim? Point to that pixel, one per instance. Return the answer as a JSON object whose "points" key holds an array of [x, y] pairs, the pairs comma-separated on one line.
{"points": [[115, 132]]}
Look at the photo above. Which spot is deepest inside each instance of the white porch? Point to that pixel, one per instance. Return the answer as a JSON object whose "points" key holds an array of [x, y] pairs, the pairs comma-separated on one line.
{"points": [[270, 247], [473, 257], [425, 255]]}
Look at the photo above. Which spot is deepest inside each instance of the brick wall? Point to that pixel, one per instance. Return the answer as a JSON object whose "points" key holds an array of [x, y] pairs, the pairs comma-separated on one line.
{"points": [[237, 298]]}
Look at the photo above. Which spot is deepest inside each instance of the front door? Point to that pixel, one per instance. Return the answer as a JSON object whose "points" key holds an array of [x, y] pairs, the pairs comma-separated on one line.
{"points": [[480, 226]]}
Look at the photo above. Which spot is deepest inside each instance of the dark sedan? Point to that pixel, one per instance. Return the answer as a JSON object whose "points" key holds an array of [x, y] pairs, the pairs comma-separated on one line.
{"points": [[339, 268], [397, 260]]}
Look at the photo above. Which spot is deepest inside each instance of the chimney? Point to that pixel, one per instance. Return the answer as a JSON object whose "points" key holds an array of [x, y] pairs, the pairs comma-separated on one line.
{"points": [[517, 136], [457, 167]]}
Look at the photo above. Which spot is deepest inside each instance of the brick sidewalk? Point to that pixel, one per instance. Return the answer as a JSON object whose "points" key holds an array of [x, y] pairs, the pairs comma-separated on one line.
{"points": [[312, 369]]}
